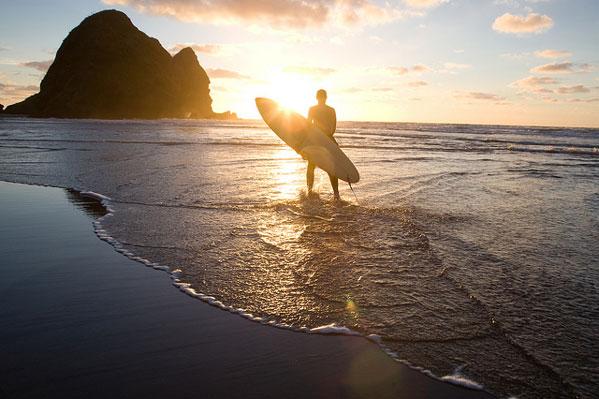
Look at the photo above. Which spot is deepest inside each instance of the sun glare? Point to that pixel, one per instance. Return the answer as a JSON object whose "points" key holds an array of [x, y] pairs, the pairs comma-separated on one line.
{"points": [[294, 92], [288, 173]]}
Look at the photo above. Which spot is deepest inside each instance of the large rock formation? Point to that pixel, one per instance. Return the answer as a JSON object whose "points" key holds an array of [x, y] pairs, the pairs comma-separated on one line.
{"points": [[107, 68]]}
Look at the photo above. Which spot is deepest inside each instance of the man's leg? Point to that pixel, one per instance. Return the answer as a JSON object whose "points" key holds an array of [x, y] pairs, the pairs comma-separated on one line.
{"points": [[335, 185], [310, 176]]}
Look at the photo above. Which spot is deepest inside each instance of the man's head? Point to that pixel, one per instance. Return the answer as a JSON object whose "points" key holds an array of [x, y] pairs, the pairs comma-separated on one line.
{"points": [[321, 96]]}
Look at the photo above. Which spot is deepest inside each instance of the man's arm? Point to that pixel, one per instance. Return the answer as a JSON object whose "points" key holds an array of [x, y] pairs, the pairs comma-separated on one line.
{"points": [[334, 122]]}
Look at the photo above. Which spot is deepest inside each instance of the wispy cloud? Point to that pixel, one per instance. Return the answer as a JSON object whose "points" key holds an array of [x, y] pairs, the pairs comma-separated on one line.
{"points": [[584, 100], [550, 53], [484, 96], [420, 68], [416, 69], [417, 83], [573, 89], [561, 68], [12, 93], [41, 66], [212, 49], [531, 23], [481, 96], [535, 84], [535, 81], [538, 85], [224, 74], [284, 14]]}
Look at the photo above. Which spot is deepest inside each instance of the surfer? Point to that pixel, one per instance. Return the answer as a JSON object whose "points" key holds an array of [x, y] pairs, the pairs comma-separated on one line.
{"points": [[324, 118]]}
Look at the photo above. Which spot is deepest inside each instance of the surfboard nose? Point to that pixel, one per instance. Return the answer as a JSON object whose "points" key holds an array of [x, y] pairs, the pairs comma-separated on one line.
{"points": [[263, 102]]}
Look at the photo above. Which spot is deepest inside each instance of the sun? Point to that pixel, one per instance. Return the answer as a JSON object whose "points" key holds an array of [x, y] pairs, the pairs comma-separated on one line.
{"points": [[293, 91]]}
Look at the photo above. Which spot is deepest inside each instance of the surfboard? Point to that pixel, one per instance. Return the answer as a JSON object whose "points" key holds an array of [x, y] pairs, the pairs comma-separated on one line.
{"points": [[307, 140]]}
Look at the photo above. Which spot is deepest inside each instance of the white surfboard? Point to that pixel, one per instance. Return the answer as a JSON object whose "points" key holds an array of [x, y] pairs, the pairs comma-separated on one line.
{"points": [[307, 140]]}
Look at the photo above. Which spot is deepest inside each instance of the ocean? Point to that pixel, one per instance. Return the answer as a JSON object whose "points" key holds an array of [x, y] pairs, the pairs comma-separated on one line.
{"points": [[470, 252]]}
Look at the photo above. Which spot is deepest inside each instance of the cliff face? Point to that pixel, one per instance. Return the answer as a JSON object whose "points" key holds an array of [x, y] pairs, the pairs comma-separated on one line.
{"points": [[107, 68]]}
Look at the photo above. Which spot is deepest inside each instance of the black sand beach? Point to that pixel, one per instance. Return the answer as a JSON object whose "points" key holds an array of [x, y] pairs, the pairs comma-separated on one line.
{"points": [[80, 320]]}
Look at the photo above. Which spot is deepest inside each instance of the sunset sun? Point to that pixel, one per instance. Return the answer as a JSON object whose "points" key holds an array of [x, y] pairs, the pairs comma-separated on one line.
{"points": [[292, 91]]}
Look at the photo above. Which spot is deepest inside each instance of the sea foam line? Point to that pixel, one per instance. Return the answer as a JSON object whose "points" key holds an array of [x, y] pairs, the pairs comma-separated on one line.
{"points": [[457, 378]]}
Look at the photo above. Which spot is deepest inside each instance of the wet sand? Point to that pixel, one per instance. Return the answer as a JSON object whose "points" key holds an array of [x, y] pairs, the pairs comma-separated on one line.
{"points": [[80, 320]]}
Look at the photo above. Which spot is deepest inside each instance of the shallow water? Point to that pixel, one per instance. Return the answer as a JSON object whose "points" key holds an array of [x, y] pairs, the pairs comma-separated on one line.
{"points": [[470, 247]]}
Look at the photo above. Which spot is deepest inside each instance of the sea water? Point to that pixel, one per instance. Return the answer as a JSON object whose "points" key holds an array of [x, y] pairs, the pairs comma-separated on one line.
{"points": [[468, 251]]}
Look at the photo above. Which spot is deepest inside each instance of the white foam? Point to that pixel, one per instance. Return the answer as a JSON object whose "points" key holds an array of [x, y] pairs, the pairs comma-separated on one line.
{"points": [[95, 195], [334, 329], [375, 338], [457, 378]]}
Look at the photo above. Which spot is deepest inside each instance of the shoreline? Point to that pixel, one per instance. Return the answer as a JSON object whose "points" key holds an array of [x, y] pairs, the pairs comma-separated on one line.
{"points": [[254, 119], [312, 355]]}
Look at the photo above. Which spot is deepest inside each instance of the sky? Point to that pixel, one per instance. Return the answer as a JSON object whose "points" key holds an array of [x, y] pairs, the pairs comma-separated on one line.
{"points": [[519, 62]]}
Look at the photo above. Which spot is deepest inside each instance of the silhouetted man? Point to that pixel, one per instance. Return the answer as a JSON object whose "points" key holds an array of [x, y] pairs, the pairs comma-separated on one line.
{"points": [[323, 117]]}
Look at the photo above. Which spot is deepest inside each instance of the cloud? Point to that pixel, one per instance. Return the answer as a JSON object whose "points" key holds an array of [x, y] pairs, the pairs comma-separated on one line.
{"points": [[309, 70], [533, 83], [573, 89], [417, 83], [398, 70], [281, 14], [477, 95], [417, 69], [561, 68], [225, 74], [584, 100], [12, 93], [484, 96], [531, 23], [424, 3], [550, 53], [420, 68], [41, 66], [212, 49]]}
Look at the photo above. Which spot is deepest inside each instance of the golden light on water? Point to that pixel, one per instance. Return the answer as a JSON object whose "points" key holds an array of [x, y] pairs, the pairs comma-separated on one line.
{"points": [[352, 308], [288, 173]]}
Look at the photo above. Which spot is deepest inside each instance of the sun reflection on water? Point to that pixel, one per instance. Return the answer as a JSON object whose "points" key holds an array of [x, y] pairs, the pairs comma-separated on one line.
{"points": [[287, 173]]}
